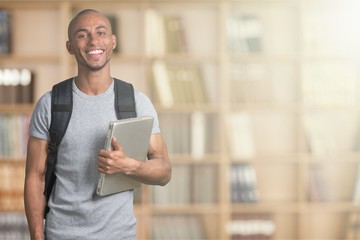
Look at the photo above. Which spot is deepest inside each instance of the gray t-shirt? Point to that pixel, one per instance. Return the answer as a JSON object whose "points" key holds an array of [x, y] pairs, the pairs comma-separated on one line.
{"points": [[76, 211]]}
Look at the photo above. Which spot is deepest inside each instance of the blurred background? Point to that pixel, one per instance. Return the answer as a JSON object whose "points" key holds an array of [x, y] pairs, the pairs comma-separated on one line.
{"points": [[258, 102]]}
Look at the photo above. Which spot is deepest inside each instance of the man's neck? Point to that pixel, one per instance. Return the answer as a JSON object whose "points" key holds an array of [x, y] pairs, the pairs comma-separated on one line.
{"points": [[93, 83]]}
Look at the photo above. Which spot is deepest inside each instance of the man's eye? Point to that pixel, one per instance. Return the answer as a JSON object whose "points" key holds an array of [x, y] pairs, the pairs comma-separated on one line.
{"points": [[82, 35], [101, 33]]}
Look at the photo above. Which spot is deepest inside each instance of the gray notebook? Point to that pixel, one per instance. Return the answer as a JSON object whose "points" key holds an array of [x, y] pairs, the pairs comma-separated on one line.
{"points": [[134, 135]]}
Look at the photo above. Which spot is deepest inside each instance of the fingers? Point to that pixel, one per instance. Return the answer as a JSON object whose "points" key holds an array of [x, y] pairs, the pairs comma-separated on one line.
{"points": [[108, 161], [116, 145], [103, 164]]}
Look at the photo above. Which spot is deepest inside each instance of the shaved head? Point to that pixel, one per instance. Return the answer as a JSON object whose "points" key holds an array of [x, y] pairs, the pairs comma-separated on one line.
{"points": [[82, 13]]}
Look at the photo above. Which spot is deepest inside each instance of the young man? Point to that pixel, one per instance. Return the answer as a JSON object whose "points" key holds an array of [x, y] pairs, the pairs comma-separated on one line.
{"points": [[76, 211]]}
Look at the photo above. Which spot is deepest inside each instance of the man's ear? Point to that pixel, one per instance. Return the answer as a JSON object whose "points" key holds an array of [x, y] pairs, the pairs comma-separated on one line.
{"points": [[114, 41], [69, 47]]}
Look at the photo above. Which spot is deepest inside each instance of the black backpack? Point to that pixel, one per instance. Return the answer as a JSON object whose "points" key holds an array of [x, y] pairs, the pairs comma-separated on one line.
{"points": [[61, 109]]}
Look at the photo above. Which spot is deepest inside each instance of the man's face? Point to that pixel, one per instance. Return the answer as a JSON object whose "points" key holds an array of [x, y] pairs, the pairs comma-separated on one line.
{"points": [[91, 41]]}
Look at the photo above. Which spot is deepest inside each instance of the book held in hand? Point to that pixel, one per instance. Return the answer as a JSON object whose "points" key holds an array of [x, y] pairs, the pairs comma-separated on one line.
{"points": [[133, 134]]}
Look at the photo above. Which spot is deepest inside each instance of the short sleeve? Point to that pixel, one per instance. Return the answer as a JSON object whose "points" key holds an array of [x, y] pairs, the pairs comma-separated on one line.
{"points": [[41, 118], [144, 107]]}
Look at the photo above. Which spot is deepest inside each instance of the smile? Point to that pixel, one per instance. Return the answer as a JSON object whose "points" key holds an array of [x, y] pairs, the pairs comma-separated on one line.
{"points": [[94, 52]]}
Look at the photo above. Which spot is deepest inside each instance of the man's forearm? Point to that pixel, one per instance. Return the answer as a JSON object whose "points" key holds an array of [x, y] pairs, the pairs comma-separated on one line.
{"points": [[34, 207]]}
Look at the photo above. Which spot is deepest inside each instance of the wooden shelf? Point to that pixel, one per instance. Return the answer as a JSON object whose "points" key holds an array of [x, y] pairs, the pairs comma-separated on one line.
{"points": [[272, 94]]}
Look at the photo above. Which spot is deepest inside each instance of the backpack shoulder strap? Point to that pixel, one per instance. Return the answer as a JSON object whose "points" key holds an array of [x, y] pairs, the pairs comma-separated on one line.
{"points": [[61, 109], [125, 106]]}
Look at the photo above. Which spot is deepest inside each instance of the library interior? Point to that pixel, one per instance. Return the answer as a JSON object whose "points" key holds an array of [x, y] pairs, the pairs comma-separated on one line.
{"points": [[244, 90]]}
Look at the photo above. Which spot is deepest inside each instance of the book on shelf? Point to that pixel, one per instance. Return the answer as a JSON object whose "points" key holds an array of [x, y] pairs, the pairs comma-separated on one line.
{"points": [[198, 135], [244, 34], [178, 190], [329, 84], [13, 136], [5, 32], [13, 226], [319, 132], [245, 226], [179, 83], [164, 33], [250, 83], [12, 186], [240, 135], [318, 189], [243, 183], [177, 227], [205, 184], [177, 138], [190, 184], [194, 134], [353, 226], [174, 34], [16, 86], [356, 190]]}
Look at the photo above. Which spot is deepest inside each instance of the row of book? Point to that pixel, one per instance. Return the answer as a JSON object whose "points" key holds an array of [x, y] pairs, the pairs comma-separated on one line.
{"points": [[241, 137], [330, 132], [13, 226], [243, 183], [12, 177], [326, 132], [13, 136], [16, 86], [199, 184], [164, 33], [189, 184], [353, 226], [179, 83], [322, 84], [319, 38], [245, 34], [319, 185], [250, 83], [5, 32], [330, 84], [243, 226], [194, 134], [177, 227], [318, 189]]}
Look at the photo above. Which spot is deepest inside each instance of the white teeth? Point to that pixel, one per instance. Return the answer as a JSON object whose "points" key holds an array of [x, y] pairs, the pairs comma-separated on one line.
{"points": [[95, 52]]}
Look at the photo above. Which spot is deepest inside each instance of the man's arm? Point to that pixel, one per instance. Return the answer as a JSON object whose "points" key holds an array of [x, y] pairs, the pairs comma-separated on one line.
{"points": [[34, 198], [155, 171]]}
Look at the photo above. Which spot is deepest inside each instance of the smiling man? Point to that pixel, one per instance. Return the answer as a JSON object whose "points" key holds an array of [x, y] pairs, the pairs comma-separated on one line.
{"points": [[75, 210]]}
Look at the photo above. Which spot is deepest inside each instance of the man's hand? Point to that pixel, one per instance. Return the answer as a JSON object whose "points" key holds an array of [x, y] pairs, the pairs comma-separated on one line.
{"points": [[115, 161]]}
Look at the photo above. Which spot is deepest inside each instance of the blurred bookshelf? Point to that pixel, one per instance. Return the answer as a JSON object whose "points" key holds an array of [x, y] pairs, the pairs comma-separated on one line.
{"points": [[258, 102]]}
